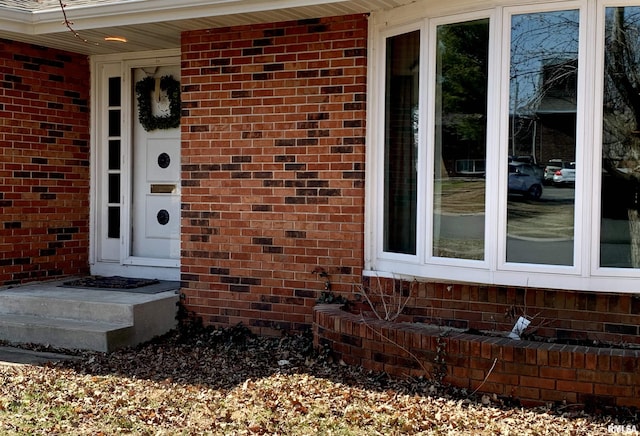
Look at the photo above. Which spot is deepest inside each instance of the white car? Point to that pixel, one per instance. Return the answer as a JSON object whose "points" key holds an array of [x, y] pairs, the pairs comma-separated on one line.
{"points": [[566, 175], [550, 169]]}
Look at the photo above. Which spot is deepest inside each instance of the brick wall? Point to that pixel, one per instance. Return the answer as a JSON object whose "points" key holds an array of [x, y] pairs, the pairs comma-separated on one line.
{"points": [[44, 163], [273, 168], [530, 372], [573, 317]]}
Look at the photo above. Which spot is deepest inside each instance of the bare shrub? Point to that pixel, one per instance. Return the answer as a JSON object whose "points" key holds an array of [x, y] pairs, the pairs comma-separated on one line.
{"points": [[387, 298]]}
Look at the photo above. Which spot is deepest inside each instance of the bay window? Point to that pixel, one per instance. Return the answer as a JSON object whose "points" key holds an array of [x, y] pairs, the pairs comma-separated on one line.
{"points": [[504, 145]]}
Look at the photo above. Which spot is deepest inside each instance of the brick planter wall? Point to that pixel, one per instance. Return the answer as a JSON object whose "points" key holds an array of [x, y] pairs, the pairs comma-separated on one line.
{"points": [[44, 163], [273, 168], [530, 372]]}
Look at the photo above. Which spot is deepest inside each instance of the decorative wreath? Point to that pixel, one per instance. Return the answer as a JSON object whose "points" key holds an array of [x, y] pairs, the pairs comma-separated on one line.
{"points": [[144, 89]]}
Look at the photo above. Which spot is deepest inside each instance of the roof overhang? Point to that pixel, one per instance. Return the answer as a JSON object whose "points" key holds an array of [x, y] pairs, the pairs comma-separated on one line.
{"points": [[157, 24]]}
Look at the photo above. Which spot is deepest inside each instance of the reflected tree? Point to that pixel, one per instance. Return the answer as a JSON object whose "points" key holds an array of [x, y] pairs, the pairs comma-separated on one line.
{"points": [[543, 73], [621, 121], [462, 89]]}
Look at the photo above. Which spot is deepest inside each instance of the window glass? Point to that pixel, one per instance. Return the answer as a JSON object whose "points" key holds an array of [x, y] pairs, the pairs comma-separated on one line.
{"points": [[619, 216], [114, 91], [401, 142], [460, 139], [542, 138], [114, 154], [114, 188], [114, 122], [113, 222], [113, 158]]}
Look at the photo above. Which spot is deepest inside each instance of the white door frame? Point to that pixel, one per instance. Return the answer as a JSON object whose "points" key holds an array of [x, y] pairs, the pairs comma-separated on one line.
{"points": [[121, 263]]}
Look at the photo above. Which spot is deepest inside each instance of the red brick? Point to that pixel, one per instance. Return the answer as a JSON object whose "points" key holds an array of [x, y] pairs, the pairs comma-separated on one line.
{"points": [[557, 373], [566, 359], [542, 357], [507, 353], [604, 362], [628, 402], [461, 372], [504, 379], [521, 369], [542, 383], [527, 393], [612, 390], [46, 149], [624, 378], [591, 361], [557, 395], [595, 376], [485, 350], [574, 386], [578, 360]]}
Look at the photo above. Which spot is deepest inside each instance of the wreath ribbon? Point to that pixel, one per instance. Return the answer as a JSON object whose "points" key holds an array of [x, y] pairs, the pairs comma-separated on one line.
{"points": [[144, 89]]}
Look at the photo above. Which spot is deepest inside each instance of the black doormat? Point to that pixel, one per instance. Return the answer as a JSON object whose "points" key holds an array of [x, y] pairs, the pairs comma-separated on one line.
{"points": [[117, 283]]}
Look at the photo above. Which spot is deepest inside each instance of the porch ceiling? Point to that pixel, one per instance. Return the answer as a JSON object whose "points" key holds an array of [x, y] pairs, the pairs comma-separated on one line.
{"points": [[154, 24]]}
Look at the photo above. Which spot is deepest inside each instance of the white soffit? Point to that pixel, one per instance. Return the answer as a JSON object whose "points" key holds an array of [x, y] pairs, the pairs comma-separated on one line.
{"points": [[155, 24]]}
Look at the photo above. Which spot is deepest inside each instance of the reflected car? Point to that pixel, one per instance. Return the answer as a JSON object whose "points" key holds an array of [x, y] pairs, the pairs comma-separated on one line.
{"points": [[551, 167], [565, 175], [524, 180]]}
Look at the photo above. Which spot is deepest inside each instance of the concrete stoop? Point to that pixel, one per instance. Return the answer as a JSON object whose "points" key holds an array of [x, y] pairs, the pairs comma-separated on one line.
{"points": [[86, 319]]}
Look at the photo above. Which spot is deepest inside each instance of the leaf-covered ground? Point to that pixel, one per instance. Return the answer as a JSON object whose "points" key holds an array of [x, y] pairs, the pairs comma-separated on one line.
{"points": [[223, 382]]}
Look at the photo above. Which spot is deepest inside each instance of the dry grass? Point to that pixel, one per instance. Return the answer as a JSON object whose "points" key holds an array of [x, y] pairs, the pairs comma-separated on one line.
{"points": [[221, 383], [467, 197], [539, 219], [459, 196]]}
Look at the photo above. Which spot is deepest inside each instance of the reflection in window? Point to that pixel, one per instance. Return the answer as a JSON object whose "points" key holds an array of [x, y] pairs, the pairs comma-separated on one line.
{"points": [[620, 219], [542, 131], [400, 142], [460, 140]]}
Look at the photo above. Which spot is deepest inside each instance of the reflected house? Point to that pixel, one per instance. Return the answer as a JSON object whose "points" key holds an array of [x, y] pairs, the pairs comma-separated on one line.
{"points": [[462, 156], [546, 126]]}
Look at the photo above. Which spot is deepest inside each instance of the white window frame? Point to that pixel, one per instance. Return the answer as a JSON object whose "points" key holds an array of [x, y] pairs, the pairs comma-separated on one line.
{"points": [[585, 273], [490, 168], [379, 159], [538, 269], [599, 273]]}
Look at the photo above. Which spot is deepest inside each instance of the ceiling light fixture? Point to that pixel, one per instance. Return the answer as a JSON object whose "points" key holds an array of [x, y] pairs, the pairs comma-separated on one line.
{"points": [[115, 39]]}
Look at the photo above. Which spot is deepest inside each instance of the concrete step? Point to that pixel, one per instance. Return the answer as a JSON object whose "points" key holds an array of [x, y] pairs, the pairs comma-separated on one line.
{"points": [[90, 319], [61, 305], [64, 333], [51, 300]]}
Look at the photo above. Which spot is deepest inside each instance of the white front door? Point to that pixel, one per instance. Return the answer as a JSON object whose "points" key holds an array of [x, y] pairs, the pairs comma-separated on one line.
{"points": [[155, 206], [136, 189]]}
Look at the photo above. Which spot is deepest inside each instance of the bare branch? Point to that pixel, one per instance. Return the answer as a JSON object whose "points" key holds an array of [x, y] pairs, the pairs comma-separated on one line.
{"points": [[69, 25], [392, 301], [485, 379]]}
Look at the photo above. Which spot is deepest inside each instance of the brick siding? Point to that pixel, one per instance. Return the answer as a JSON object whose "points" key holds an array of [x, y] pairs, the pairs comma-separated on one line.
{"points": [[44, 163], [273, 168]]}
